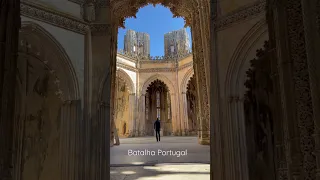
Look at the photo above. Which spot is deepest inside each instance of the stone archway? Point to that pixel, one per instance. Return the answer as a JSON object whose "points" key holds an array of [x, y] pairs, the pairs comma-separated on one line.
{"points": [[48, 117], [184, 101], [124, 105], [158, 105], [121, 73], [191, 96], [176, 123], [235, 89]]}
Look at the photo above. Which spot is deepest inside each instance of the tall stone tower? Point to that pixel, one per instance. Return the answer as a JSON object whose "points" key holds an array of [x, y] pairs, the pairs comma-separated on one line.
{"points": [[176, 42], [137, 43]]}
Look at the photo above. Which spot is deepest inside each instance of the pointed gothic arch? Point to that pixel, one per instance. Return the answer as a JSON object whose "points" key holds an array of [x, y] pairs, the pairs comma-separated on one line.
{"points": [[235, 89], [162, 78], [61, 66], [124, 75], [185, 80]]}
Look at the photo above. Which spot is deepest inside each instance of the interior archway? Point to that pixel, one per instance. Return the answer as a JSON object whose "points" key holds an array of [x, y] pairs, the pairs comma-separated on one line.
{"points": [[158, 106], [191, 94], [48, 88]]}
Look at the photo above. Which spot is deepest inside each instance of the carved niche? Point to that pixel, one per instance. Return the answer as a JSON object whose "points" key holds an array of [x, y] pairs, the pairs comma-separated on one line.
{"points": [[258, 116]]}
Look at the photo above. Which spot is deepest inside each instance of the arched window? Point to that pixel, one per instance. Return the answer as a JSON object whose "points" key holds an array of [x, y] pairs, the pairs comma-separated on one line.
{"points": [[158, 104]]}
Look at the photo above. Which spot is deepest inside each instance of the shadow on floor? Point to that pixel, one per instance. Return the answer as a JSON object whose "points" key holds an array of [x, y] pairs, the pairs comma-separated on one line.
{"points": [[190, 171]]}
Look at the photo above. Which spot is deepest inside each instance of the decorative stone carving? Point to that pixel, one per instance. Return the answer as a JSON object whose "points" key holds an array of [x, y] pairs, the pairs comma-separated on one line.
{"points": [[100, 29], [301, 81], [52, 17], [180, 8], [240, 14]]}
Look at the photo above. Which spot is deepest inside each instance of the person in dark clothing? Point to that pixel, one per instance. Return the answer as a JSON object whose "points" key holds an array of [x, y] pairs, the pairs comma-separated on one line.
{"points": [[156, 127]]}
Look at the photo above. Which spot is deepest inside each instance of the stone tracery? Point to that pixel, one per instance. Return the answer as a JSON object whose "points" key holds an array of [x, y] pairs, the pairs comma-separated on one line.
{"points": [[178, 7]]}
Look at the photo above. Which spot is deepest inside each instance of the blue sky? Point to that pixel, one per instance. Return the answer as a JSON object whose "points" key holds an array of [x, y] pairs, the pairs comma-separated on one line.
{"points": [[156, 21]]}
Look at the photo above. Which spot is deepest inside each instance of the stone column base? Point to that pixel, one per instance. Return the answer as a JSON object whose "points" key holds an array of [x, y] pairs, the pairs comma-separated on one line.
{"points": [[204, 138], [204, 141]]}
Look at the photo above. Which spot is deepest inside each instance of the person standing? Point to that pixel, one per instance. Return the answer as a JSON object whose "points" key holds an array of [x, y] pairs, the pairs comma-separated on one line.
{"points": [[156, 127]]}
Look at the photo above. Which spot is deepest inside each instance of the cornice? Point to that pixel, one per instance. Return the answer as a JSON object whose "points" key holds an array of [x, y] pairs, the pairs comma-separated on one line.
{"points": [[147, 70], [185, 65], [156, 62], [127, 58], [157, 70], [130, 68], [241, 14], [53, 17]]}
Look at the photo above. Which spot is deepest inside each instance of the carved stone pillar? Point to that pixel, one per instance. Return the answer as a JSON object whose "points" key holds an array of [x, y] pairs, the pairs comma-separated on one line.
{"points": [[175, 122], [311, 14], [101, 145], [70, 140], [184, 114], [242, 149], [294, 76], [232, 141], [131, 114], [9, 33], [142, 119], [204, 132]]}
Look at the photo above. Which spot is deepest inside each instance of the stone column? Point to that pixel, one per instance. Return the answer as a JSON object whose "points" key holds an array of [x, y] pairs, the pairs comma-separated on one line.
{"points": [[231, 140], [184, 113], [204, 131], [298, 114], [242, 157], [311, 14], [9, 34], [101, 137], [131, 114], [70, 143], [142, 119], [175, 121]]}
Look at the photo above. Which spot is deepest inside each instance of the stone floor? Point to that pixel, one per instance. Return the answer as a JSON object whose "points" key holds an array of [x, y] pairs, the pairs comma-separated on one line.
{"points": [[144, 159], [162, 172]]}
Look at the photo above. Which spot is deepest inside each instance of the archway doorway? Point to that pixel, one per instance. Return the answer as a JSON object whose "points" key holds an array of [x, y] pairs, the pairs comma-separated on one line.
{"points": [[191, 94], [158, 106]]}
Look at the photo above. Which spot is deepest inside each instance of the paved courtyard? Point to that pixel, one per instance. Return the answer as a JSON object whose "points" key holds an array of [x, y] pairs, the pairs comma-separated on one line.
{"points": [[172, 158]]}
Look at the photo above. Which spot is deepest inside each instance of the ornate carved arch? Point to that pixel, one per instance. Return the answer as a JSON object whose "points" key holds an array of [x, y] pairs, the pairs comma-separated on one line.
{"points": [[236, 69], [185, 79], [122, 74], [128, 8], [44, 47], [159, 77]]}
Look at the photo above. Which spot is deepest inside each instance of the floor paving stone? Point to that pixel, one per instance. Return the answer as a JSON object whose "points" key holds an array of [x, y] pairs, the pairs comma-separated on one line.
{"points": [[142, 164]]}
